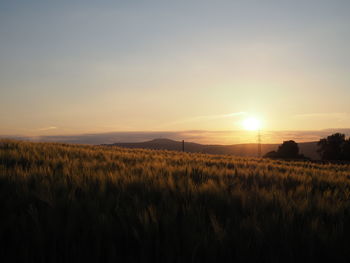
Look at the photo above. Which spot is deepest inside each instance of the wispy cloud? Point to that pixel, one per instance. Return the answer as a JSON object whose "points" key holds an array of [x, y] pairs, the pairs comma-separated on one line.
{"points": [[323, 115], [47, 128], [207, 118]]}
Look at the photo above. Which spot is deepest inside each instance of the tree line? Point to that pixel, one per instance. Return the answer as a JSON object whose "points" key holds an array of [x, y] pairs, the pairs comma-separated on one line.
{"points": [[335, 147]]}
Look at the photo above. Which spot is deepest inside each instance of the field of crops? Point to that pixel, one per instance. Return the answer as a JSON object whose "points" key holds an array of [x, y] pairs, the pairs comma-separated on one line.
{"points": [[76, 203]]}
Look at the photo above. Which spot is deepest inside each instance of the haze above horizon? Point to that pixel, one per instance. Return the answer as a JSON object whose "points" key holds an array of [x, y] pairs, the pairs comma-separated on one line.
{"points": [[99, 66]]}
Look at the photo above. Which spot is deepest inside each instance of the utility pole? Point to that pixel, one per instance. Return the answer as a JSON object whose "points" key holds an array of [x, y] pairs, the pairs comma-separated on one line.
{"points": [[183, 145], [259, 143]]}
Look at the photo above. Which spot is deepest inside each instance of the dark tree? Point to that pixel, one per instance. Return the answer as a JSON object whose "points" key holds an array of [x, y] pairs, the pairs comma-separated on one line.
{"points": [[332, 147], [346, 150], [288, 150]]}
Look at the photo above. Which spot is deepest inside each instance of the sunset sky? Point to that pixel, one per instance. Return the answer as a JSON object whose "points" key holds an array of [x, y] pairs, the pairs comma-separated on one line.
{"points": [[69, 67]]}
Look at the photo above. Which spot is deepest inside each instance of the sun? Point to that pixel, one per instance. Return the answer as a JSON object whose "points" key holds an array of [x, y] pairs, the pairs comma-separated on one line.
{"points": [[251, 124]]}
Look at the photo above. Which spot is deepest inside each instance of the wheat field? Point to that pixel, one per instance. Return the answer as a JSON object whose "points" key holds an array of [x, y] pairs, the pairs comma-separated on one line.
{"points": [[79, 203]]}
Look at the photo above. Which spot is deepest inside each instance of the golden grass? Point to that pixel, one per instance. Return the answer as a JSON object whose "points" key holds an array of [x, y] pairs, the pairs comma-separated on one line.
{"points": [[62, 203]]}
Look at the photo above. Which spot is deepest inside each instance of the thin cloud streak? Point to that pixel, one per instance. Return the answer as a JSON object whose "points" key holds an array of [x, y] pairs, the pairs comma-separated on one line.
{"points": [[323, 115], [206, 118], [48, 128]]}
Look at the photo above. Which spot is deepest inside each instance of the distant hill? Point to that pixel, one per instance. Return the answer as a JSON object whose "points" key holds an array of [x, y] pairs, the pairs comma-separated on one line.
{"points": [[309, 149]]}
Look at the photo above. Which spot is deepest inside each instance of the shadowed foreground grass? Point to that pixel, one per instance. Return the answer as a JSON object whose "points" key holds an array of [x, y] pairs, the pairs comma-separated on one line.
{"points": [[73, 203]]}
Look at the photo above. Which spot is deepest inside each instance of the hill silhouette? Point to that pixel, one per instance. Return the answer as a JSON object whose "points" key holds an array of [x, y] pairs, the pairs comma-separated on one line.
{"points": [[309, 149]]}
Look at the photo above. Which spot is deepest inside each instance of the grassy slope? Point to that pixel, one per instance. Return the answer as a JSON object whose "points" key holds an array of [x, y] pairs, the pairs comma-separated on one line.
{"points": [[65, 203]]}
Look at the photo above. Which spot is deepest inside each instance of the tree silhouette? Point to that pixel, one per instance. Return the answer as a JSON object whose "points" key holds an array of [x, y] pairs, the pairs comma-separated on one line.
{"points": [[288, 150], [334, 147], [346, 150]]}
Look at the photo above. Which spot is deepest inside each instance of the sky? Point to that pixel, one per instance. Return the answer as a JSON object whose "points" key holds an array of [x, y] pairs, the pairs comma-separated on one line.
{"points": [[71, 67]]}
